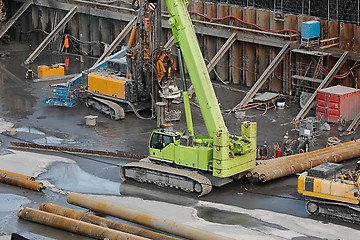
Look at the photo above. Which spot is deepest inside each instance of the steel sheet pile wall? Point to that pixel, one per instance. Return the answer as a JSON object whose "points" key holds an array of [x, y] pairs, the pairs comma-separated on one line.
{"points": [[262, 52], [275, 81], [210, 10], [222, 67], [236, 51], [345, 10], [249, 67], [244, 63]]}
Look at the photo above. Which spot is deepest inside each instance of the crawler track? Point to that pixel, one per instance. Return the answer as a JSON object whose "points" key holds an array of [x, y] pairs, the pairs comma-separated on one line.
{"points": [[107, 107], [341, 211], [165, 176]]}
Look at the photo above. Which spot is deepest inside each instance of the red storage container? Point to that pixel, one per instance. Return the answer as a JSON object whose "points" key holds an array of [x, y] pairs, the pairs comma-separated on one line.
{"points": [[337, 103]]}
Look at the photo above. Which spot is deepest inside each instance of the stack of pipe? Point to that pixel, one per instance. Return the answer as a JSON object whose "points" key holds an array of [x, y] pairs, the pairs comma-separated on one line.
{"points": [[20, 180], [153, 221], [90, 225], [74, 226], [280, 167], [91, 218]]}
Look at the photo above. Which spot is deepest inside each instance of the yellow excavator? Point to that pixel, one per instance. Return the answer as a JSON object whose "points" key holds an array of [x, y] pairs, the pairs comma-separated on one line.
{"points": [[334, 191]]}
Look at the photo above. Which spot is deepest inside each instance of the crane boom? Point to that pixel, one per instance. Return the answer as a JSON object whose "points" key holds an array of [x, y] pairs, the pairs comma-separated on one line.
{"points": [[185, 38], [192, 162]]}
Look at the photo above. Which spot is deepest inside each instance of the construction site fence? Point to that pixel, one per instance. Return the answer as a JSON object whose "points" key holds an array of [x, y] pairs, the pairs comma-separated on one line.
{"points": [[339, 10]]}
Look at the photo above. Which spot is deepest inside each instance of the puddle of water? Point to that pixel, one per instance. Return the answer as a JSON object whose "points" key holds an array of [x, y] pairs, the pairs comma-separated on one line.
{"points": [[45, 140], [70, 177], [11, 202], [30, 130], [233, 218], [50, 140]]}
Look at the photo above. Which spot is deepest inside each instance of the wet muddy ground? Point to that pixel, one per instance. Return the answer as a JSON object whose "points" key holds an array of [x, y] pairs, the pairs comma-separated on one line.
{"points": [[20, 104]]}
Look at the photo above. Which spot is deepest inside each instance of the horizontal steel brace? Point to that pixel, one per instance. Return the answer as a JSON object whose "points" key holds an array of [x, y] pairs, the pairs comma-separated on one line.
{"points": [[91, 8]]}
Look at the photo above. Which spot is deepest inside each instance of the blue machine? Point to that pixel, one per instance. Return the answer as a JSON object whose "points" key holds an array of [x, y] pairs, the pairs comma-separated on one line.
{"points": [[64, 94], [310, 29]]}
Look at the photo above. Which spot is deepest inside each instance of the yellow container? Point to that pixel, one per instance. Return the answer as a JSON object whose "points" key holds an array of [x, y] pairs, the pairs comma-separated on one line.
{"points": [[106, 85], [48, 71]]}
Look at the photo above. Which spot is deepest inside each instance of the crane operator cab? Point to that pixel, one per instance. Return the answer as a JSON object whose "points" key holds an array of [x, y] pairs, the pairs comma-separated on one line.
{"points": [[162, 144]]}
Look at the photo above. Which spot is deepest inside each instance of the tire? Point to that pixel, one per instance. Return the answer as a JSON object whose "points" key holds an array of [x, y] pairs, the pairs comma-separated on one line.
{"points": [[312, 207], [198, 187]]}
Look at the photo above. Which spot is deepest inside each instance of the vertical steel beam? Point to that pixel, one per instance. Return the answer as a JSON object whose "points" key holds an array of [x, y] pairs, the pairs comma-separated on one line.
{"points": [[117, 40], [279, 57], [96, 31], [222, 67], [15, 17], [51, 35], [322, 85]]}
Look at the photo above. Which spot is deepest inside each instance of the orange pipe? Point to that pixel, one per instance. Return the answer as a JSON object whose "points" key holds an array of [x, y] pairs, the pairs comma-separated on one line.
{"points": [[20, 182], [18, 175]]}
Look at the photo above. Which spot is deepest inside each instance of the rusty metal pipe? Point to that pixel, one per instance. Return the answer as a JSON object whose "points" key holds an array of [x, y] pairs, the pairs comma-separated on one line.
{"points": [[156, 222], [91, 218], [20, 182], [284, 166], [18, 175], [74, 226]]}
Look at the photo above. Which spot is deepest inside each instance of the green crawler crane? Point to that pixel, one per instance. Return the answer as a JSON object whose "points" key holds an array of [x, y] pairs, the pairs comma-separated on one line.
{"points": [[187, 161]]}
